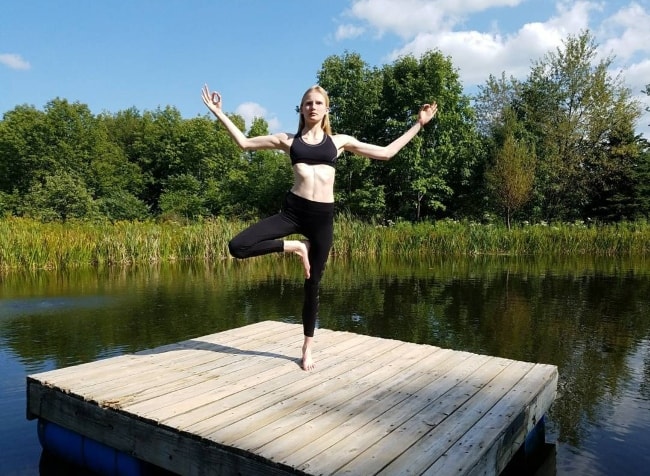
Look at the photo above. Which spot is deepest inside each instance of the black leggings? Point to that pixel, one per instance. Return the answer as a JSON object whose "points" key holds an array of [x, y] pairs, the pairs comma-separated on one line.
{"points": [[314, 220]]}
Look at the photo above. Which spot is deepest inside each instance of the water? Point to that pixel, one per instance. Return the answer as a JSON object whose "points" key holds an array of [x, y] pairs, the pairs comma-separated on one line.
{"points": [[589, 317]]}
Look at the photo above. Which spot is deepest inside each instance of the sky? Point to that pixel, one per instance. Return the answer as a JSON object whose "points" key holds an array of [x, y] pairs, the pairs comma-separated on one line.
{"points": [[263, 54]]}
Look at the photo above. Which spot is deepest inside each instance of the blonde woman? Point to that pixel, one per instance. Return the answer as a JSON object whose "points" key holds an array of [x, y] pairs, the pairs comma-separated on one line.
{"points": [[308, 208]]}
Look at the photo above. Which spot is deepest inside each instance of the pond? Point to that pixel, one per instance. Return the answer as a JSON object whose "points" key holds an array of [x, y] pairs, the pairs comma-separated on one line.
{"points": [[588, 316]]}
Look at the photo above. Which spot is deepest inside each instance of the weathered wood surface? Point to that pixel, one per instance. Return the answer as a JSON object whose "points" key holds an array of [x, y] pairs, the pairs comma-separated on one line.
{"points": [[237, 401]]}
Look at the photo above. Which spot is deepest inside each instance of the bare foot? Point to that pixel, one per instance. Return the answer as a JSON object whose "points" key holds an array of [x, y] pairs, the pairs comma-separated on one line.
{"points": [[301, 248], [304, 255], [307, 363]]}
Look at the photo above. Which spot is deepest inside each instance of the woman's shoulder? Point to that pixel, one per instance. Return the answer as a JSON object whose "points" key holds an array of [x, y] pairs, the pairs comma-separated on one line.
{"points": [[341, 140], [284, 135]]}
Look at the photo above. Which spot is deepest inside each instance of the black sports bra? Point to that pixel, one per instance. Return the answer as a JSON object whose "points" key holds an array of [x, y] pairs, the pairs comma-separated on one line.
{"points": [[323, 153]]}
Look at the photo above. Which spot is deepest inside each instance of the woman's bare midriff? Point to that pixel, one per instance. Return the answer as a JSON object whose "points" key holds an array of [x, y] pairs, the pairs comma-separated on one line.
{"points": [[314, 182]]}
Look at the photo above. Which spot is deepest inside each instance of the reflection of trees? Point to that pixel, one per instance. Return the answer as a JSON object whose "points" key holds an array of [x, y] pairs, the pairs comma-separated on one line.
{"points": [[585, 317], [148, 307], [645, 383]]}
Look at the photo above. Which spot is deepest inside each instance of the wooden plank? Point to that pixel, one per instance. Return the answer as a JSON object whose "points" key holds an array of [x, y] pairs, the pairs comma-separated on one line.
{"points": [[203, 392], [405, 423], [325, 430], [202, 409], [106, 369], [241, 405], [324, 433], [237, 403], [444, 432], [515, 416], [164, 371], [326, 398]]}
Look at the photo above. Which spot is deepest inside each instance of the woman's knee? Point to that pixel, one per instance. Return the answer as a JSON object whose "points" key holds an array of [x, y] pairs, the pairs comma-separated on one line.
{"points": [[237, 249]]}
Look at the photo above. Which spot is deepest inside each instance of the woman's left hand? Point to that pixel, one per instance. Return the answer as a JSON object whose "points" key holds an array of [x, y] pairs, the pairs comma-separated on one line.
{"points": [[427, 113]]}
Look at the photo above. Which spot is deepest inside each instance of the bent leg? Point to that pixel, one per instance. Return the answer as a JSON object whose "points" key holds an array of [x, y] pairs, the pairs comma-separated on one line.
{"points": [[262, 238]]}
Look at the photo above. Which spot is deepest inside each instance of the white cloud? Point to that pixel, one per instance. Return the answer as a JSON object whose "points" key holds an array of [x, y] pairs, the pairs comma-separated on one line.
{"points": [[637, 76], [14, 61], [400, 17], [251, 110], [425, 25], [477, 54], [348, 31], [626, 32], [407, 18]]}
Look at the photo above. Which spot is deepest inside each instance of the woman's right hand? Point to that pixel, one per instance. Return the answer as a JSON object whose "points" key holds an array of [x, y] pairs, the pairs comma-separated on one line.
{"points": [[211, 99]]}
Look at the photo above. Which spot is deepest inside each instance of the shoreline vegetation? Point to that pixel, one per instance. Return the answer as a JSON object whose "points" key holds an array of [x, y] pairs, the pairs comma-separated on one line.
{"points": [[27, 244]]}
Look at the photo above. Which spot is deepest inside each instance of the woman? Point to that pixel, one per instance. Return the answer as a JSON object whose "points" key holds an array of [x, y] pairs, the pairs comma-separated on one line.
{"points": [[308, 208]]}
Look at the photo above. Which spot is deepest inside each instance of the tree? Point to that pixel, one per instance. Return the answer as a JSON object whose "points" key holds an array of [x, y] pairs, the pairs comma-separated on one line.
{"points": [[21, 147], [354, 89], [493, 103], [157, 151], [60, 196], [376, 105], [268, 174], [42, 153], [641, 174], [511, 176], [577, 111], [579, 120], [181, 197]]}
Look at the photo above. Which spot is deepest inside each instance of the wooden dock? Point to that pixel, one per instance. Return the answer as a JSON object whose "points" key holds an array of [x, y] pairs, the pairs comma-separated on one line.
{"points": [[236, 402]]}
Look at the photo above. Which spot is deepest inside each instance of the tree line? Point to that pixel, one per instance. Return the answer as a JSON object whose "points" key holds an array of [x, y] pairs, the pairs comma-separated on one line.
{"points": [[559, 145]]}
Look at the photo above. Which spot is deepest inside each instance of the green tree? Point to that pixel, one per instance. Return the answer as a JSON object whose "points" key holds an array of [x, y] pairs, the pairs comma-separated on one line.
{"points": [[511, 175], [354, 89], [496, 99], [268, 175], [42, 152], [580, 119], [22, 144], [61, 196], [181, 197], [377, 105], [158, 152], [641, 174], [117, 183], [577, 111], [642, 184]]}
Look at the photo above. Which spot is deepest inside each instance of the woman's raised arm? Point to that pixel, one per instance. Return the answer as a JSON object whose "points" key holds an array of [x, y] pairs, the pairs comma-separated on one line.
{"points": [[273, 141], [373, 151]]}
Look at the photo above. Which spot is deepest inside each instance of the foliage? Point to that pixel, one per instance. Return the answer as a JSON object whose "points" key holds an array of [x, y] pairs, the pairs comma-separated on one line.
{"points": [[570, 114], [377, 105], [510, 177], [582, 120]]}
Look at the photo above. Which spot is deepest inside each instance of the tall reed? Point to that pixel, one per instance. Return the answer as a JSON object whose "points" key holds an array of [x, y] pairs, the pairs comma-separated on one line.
{"points": [[450, 237], [29, 244]]}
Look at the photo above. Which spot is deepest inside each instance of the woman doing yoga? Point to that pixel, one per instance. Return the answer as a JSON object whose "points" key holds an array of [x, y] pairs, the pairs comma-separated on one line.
{"points": [[308, 208]]}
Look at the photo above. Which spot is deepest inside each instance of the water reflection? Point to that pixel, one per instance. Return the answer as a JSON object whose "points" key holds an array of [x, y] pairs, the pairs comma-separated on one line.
{"points": [[590, 317]]}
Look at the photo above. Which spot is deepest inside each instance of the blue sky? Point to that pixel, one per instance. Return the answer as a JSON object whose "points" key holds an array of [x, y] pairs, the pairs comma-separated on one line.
{"points": [[262, 54]]}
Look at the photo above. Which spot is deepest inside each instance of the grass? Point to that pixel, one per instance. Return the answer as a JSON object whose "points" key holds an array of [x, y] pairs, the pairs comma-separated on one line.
{"points": [[29, 244]]}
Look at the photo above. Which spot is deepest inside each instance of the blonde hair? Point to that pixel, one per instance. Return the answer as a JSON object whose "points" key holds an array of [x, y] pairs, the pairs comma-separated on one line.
{"points": [[325, 124]]}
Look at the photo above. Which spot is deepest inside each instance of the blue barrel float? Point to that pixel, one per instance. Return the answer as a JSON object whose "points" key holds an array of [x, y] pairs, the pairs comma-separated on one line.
{"points": [[90, 454]]}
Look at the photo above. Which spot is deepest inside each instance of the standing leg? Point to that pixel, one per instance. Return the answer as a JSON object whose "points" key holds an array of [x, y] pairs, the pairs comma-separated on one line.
{"points": [[320, 238]]}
